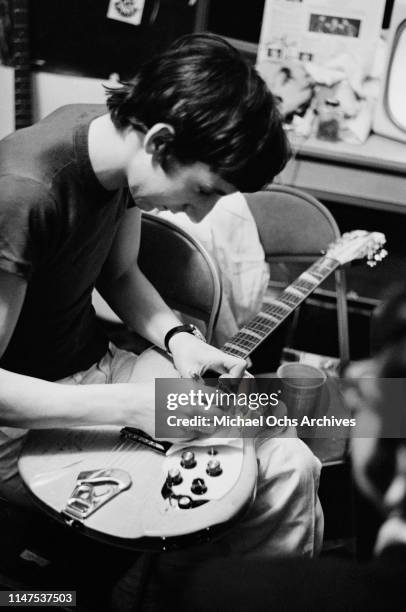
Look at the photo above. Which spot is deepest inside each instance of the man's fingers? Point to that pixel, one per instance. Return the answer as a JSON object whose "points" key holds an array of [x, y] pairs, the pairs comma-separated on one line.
{"points": [[235, 369]]}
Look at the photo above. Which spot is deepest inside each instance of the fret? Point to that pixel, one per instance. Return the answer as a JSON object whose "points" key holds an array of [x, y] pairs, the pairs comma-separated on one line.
{"points": [[231, 349], [318, 276], [258, 326], [240, 339], [278, 302], [250, 332], [308, 277], [269, 316], [296, 291], [315, 270], [245, 344], [323, 266], [241, 343], [267, 300], [306, 286], [279, 312], [275, 302], [289, 300], [271, 310], [321, 273], [328, 267]]}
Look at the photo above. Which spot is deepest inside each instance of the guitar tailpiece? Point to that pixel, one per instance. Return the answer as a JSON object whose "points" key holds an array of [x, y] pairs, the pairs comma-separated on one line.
{"points": [[94, 489]]}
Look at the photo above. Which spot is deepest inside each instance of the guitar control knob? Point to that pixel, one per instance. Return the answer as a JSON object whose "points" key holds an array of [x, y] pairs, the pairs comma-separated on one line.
{"points": [[198, 486], [174, 477], [214, 468], [188, 460], [212, 451], [184, 502]]}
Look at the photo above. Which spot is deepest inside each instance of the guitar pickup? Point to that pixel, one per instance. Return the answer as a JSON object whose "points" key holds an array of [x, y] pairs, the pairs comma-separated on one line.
{"points": [[93, 489], [137, 435]]}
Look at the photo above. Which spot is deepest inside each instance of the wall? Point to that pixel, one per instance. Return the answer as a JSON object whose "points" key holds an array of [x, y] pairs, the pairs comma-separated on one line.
{"points": [[6, 100], [50, 91]]}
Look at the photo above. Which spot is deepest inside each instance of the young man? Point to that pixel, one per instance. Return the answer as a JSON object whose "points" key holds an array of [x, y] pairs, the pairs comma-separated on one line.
{"points": [[195, 123]]}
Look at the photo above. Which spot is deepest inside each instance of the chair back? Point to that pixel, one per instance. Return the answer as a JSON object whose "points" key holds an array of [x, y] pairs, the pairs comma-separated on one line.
{"points": [[292, 225], [295, 228]]}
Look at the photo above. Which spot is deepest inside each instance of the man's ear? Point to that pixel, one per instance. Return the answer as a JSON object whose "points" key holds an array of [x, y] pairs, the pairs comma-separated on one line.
{"points": [[158, 141]]}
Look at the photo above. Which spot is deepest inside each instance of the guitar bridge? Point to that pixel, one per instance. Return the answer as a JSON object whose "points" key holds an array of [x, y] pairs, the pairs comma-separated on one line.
{"points": [[94, 489], [136, 435]]}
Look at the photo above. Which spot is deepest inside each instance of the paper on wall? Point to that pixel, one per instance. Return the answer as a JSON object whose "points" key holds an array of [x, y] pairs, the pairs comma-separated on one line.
{"points": [[315, 31], [128, 11]]}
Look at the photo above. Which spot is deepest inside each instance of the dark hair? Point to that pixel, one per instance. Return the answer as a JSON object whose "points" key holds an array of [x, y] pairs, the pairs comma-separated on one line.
{"points": [[388, 332], [389, 343], [389, 320], [222, 112]]}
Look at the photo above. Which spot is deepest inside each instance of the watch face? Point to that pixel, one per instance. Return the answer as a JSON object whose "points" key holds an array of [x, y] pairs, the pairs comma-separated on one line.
{"points": [[196, 332], [199, 334]]}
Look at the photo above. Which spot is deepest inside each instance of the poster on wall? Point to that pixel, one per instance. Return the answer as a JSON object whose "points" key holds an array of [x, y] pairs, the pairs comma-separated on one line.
{"points": [[128, 11], [314, 31]]}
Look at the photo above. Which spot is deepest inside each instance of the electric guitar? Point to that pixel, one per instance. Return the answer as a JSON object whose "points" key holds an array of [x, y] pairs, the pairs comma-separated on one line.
{"points": [[127, 488]]}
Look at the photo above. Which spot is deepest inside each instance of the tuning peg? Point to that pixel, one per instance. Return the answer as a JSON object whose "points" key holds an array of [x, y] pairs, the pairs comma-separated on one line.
{"points": [[381, 255]]}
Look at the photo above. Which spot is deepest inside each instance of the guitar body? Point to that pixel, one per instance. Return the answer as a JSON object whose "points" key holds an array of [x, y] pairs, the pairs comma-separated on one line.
{"points": [[141, 516]]}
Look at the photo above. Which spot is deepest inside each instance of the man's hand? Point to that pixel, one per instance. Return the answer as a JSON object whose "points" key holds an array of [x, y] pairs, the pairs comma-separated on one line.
{"points": [[192, 358]]}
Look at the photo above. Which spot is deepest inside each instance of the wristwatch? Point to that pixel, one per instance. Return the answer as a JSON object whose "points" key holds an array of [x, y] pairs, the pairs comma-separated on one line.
{"points": [[189, 328]]}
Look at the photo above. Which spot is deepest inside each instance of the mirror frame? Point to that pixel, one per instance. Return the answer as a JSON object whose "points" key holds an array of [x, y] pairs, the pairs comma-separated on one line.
{"points": [[401, 30]]}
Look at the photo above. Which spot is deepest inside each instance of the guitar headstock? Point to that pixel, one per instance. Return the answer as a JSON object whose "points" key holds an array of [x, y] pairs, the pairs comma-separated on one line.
{"points": [[357, 245]]}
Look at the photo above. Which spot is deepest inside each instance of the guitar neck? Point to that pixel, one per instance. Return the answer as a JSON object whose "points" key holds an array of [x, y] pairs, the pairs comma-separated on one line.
{"points": [[22, 73], [275, 311]]}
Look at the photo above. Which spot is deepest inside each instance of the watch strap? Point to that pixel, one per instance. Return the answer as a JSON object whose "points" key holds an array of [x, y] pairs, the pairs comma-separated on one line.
{"points": [[188, 328]]}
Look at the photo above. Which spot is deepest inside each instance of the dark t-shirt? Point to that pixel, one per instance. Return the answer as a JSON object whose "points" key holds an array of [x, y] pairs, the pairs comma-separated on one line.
{"points": [[57, 225]]}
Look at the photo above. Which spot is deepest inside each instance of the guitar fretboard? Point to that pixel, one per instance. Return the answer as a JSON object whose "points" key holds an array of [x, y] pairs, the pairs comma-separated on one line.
{"points": [[275, 310]]}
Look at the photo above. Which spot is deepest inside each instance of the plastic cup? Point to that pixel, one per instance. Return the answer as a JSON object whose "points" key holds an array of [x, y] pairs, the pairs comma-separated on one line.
{"points": [[302, 385]]}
